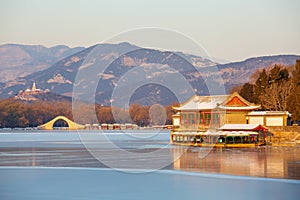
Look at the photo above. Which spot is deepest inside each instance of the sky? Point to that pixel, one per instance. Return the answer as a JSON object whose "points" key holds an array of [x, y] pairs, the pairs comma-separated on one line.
{"points": [[227, 29]]}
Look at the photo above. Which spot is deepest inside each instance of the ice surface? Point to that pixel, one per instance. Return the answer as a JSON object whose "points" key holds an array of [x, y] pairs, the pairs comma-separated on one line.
{"points": [[86, 183]]}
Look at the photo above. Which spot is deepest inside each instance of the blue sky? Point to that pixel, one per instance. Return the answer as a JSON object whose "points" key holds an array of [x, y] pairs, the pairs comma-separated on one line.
{"points": [[227, 29]]}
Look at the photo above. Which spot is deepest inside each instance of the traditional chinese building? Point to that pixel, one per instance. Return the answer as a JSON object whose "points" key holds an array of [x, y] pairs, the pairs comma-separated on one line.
{"points": [[198, 122], [200, 113]]}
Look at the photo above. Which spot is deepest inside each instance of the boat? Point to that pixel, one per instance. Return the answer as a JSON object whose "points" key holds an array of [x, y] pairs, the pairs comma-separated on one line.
{"points": [[216, 139]]}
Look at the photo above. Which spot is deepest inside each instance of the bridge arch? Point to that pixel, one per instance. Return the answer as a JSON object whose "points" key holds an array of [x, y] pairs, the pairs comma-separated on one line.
{"points": [[49, 125]]}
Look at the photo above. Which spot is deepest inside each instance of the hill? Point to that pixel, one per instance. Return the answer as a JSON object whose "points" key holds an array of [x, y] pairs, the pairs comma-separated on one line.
{"points": [[20, 60], [238, 73]]}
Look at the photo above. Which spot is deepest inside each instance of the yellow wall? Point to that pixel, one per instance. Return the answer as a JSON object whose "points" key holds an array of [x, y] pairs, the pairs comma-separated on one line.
{"points": [[278, 120], [235, 117], [256, 120]]}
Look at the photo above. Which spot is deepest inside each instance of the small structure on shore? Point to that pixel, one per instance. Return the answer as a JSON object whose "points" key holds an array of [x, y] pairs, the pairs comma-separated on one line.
{"points": [[115, 126], [269, 118], [29, 94]]}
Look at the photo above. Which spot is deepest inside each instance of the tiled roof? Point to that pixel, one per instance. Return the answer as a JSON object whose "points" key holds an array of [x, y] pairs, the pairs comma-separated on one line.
{"points": [[239, 107], [241, 127], [216, 102], [262, 113], [202, 102]]}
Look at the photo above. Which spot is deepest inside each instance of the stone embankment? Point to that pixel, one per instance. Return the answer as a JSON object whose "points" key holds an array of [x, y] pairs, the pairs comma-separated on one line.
{"points": [[285, 135]]}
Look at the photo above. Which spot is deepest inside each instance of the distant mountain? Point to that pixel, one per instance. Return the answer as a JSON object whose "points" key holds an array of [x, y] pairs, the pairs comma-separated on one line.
{"points": [[61, 76], [20, 60], [148, 75], [237, 73], [197, 61]]}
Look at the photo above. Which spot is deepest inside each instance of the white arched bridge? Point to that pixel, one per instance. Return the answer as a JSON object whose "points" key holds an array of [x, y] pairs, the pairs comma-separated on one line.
{"points": [[71, 125]]}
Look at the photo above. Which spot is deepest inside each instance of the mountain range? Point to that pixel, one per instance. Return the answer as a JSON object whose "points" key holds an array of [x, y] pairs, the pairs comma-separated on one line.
{"points": [[20, 60], [139, 75]]}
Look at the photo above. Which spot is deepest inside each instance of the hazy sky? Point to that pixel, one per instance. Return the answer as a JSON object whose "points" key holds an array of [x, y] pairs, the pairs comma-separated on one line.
{"points": [[227, 29]]}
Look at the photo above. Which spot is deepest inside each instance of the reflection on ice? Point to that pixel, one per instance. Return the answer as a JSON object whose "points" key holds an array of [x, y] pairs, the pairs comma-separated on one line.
{"points": [[272, 162]]}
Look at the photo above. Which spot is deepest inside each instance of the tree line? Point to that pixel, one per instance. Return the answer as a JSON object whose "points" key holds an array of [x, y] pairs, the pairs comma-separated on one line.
{"points": [[16, 113], [276, 89]]}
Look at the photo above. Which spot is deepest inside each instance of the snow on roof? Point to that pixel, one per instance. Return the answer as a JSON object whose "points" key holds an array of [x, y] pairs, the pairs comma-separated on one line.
{"points": [[260, 113], [216, 101], [202, 102], [226, 133], [238, 133], [239, 107], [239, 126]]}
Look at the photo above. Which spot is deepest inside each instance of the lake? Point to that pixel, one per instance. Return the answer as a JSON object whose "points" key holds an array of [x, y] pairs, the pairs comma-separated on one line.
{"points": [[142, 161]]}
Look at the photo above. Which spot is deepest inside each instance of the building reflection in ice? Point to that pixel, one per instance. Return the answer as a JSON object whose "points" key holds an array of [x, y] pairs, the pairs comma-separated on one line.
{"points": [[271, 162]]}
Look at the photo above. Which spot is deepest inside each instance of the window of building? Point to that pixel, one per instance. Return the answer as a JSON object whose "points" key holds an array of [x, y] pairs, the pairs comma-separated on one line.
{"points": [[201, 118], [183, 118], [191, 118], [207, 117]]}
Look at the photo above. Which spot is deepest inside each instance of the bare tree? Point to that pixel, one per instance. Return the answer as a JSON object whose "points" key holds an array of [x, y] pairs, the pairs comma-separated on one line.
{"points": [[276, 96]]}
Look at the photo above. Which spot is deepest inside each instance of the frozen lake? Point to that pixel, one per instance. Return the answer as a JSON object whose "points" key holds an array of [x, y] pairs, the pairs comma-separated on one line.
{"points": [[139, 165], [88, 183]]}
